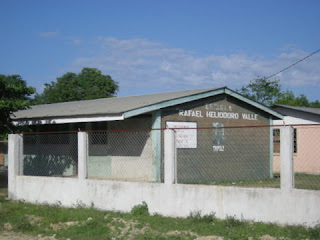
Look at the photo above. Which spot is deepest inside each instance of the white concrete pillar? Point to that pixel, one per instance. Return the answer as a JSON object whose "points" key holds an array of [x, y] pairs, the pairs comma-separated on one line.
{"points": [[286, 158], [156, 146], [170, 157], [83, 153], [15, 162]]}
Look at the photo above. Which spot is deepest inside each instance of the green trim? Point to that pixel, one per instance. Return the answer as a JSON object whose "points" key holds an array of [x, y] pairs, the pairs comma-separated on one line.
{"points": [[253, 103], [156, 146], [271, 147], [195, 97], [173, 102]]}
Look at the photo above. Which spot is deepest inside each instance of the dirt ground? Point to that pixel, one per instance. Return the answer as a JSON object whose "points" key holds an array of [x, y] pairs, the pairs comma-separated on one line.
{"points": [[19, 236]]}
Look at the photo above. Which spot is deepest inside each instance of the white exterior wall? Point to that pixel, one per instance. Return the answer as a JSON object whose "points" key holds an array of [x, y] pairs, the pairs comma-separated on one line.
{"points": [[293, 207], [135, 168], [125, 165]]}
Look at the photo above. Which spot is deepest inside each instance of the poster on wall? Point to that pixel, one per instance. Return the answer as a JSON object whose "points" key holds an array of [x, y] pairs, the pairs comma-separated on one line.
{"points": [[218, 137], [185, 138]]}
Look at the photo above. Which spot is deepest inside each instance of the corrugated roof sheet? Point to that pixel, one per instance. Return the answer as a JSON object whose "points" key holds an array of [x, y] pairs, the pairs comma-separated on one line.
{"points": [[302, 109], [103, 106]]}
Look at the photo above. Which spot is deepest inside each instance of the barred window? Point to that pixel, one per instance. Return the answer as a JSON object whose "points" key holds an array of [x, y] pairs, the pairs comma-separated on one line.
{"points": [[276, 140]]}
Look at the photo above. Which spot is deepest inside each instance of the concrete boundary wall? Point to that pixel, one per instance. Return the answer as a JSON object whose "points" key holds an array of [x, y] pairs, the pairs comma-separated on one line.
{"points": [[283, 206], [294, 207]]}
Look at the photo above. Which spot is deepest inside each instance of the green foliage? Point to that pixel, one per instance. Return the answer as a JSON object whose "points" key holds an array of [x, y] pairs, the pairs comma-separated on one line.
{"points": [[140, 209], [262, 90], [232, 221], [269, 92], [288, 98], [315, 232], [315, 104], [14, 96], [197, 216], [90, 83]]}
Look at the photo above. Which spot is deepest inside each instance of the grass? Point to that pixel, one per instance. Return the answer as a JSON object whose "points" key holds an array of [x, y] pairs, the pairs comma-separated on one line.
{"points": [[88, 223], [266, 183], [302, 181], [307, 181]]}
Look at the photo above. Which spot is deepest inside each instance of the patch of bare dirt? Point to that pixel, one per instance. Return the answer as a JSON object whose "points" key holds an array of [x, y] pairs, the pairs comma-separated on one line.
{"points": [[8, 226], [63, 225], [267, 237], [179, 233], [210, 238], [34, 220], [18, 236], [127, 229]]}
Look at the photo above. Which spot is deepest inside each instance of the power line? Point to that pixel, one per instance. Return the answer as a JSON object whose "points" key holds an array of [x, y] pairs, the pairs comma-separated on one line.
{"points": [[293, 64]]}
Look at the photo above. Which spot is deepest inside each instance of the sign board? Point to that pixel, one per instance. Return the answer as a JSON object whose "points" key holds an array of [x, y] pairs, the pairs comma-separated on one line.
{"points": [[185, 138]]}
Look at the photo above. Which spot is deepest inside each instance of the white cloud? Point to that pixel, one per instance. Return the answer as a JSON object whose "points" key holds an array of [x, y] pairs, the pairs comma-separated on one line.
{"points": [[58, 35], [74, 41], [153, 67], [49, 34]]}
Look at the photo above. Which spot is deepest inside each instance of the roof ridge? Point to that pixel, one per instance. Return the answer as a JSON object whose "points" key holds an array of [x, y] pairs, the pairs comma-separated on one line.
{"points": [[300, 108], [138, 95]]}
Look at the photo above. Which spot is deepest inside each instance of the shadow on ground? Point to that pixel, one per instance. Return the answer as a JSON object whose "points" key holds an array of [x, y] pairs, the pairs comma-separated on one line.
{"points": [[3, 182]]}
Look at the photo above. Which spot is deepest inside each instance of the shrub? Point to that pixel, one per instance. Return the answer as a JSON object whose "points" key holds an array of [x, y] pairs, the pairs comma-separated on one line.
{"points": [[196, 216], [232, 221], [140, 209]]}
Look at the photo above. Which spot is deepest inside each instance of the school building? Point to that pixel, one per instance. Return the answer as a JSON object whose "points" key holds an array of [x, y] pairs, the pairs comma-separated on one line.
{"points": [[213, 135]]}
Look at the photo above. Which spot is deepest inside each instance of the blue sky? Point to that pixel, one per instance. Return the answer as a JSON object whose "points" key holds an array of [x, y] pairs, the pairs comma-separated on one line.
{"points": [[158, 46]]}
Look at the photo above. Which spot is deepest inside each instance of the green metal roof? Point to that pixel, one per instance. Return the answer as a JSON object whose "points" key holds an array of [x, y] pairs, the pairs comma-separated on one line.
{"points": [[279, 107], [129, 106]]}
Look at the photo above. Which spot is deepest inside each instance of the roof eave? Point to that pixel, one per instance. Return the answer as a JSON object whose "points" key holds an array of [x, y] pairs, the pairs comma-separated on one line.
{"points": [[59, 120], [260, 106], [173, 102]]}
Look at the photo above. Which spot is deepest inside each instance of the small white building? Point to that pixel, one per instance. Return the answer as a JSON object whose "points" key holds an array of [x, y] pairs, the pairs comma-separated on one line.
{"points": [[305, 122]]}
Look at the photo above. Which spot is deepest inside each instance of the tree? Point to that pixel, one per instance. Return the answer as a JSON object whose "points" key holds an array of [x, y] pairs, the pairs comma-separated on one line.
{"points": [[269, 92], [262, 90], [90, 83], [288, 98], [14, 96], [315, 104]]}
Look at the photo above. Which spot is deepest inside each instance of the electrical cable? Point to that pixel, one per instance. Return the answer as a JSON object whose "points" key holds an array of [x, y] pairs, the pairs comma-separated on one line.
{"points": [[293, 64]]}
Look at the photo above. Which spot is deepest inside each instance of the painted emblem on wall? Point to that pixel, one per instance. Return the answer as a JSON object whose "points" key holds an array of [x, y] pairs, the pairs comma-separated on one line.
{"points": [[218, 136]]}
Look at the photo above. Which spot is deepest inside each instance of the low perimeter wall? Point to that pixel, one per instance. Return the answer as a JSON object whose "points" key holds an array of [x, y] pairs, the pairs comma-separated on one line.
{"points": [[292, 207], [285, 205]]}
